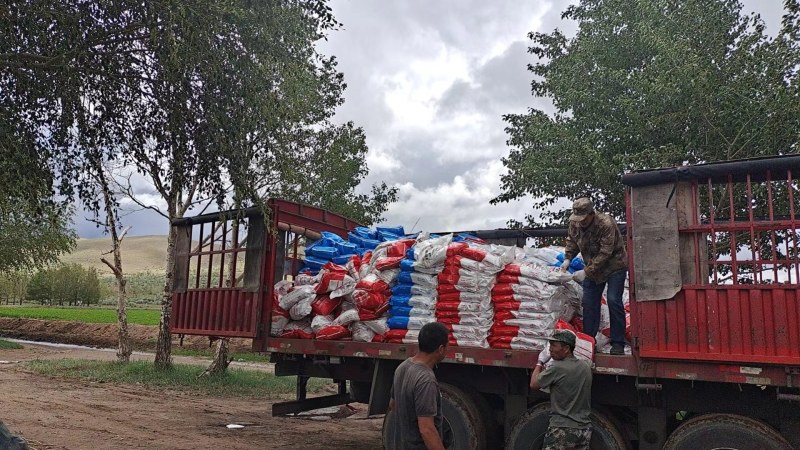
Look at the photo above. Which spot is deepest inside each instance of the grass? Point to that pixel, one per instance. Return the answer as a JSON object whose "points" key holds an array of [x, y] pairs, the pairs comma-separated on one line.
{"points": [[8, 345], [87, 315], [242, 357], [234, 383]]}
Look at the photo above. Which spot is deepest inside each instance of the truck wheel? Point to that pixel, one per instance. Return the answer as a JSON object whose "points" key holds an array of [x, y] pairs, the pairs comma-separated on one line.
{"points": [[530, 429], [606, 434], [725, 431], [494, 434], [462, 424], [462, 416], [528, 433]]}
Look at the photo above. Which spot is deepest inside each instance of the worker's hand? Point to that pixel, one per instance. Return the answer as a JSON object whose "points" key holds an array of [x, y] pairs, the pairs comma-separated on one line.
{"points": [[579, 276], [565, 265], [544, 356]]}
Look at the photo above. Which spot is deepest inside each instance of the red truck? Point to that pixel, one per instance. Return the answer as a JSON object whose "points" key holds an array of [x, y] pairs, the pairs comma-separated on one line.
{"points": [[715, 317]]}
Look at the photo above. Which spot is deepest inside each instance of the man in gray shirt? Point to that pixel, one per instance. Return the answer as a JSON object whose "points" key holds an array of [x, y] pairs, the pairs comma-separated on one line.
{"points": [[569, 381], [415, 407]]}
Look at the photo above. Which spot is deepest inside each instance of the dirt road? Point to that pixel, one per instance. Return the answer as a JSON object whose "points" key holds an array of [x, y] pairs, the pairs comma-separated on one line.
{"points": [[69, 414]]}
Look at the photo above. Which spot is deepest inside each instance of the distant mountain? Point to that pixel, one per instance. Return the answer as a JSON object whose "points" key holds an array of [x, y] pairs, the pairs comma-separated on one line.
{"points": [[139, 254]]}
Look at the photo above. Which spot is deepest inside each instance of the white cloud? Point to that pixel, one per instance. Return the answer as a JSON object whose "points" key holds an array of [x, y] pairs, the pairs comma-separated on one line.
{"points": [[429, 82]]}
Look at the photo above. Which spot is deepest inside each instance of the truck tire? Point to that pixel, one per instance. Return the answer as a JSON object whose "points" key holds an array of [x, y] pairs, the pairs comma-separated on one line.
{"points": [[494, 432], [463, 418], [531, 427], [725, 431], [462, 424], [529, 430]]}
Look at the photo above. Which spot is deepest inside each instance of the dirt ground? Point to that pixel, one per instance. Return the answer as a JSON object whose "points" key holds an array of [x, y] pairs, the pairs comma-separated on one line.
{"points": [[69, 414]]}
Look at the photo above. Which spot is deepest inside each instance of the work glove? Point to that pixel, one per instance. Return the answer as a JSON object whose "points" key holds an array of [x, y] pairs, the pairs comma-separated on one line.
{"points": [[579, 276], [565, 265], [544, 356]]}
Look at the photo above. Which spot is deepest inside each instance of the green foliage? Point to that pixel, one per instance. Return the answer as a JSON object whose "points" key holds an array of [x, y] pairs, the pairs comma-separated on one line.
{"points": [[32, 235], [651, 83], [87, 315], [204, 98], [69, 284], [14, 287], [143, 288], [233, 383], [325, 170], [8, 345]]}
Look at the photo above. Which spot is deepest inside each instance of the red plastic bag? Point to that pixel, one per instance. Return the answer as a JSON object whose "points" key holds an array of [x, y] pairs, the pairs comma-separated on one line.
{"points": [[325, 305], [399, 248], [366, 314], [329, 281], [297, 334], [507, 278], [389, 262], [368, 300], [331, 267], [333, 332], [372, 283], [456, 248]]}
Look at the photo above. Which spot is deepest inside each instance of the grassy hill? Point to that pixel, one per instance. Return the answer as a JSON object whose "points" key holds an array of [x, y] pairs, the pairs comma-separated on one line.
{"points": [[140, 254]]}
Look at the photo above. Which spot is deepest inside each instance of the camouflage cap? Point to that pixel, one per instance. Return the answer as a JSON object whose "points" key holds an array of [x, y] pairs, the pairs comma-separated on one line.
{"points": [[565, 336], [581, 208]]}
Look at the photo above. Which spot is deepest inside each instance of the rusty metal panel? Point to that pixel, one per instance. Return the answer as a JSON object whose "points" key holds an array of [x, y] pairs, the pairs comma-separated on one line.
{"points": [[655, 222], [224, 312]]}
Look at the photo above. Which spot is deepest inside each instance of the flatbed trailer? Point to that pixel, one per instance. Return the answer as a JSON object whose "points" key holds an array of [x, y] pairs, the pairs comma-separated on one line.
{"points": [[715, 357]]}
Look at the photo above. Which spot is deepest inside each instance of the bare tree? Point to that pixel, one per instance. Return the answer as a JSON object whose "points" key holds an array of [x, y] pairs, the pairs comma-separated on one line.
{"points": [[123, 339]]}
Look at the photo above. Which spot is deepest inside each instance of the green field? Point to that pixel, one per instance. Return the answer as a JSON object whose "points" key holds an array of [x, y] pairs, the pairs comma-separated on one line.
{"points": [[87, 315], [8, 345], [234, 382]]}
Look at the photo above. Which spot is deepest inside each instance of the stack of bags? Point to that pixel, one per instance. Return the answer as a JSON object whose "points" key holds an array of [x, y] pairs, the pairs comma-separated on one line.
{"points": [[529, 299], [314, 306], [413, 302], [465, 290], [342, 292]]}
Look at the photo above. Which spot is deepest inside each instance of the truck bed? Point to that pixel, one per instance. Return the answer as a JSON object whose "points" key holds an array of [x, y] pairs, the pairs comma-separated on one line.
{"points": [[627, 365]]}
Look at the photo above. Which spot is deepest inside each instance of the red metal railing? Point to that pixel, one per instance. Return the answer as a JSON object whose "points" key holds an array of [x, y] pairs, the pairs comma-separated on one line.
{"points": [[744, 305], [214, 302]]}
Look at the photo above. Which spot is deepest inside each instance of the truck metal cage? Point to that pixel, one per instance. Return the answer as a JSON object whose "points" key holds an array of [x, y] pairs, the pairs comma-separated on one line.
{"points": [[715, 264], [223, 268]]}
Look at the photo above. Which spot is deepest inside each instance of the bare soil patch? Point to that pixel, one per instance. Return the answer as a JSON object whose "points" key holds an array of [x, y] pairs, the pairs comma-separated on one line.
{"points": [[102, 335], [65, 414]]}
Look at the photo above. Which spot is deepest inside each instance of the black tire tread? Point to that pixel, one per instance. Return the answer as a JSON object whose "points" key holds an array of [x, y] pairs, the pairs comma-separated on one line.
{"points": [[684, 437]]}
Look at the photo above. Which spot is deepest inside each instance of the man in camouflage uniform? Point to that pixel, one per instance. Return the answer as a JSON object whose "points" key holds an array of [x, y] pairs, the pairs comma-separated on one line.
{"points": [[596, 236], [569, 382]]}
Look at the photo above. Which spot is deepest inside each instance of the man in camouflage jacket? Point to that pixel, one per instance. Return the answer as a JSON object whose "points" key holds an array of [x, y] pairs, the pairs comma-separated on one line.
{"points": [[596, 236]]}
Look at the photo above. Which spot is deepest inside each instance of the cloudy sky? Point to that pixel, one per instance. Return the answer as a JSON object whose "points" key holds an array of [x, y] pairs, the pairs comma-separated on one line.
{"points": [[429, 81]]}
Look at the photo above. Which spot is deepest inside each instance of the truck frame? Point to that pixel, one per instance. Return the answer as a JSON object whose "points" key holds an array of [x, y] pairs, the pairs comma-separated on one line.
{"points": [[714, 308]]}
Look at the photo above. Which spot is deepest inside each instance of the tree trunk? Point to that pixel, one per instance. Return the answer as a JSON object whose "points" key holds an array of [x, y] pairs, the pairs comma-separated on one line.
{"points": [[164, 344], [220, 363], [124, 349], [123, 340]]}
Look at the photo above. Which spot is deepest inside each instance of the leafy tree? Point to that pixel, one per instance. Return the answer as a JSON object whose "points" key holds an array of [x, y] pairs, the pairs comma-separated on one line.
{"points": [[207, 100], [14, 286], [66, 283], [651, 83], [40, 287]]}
